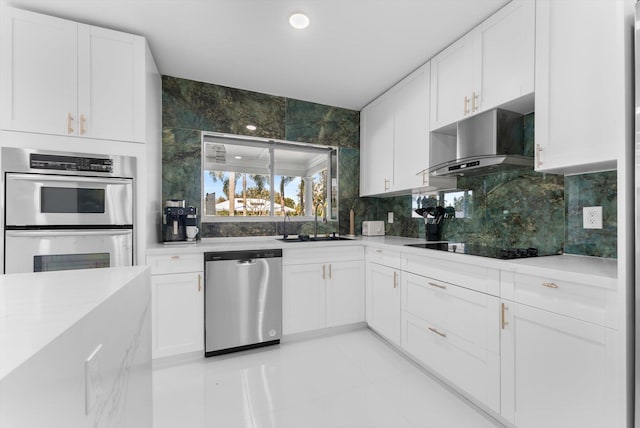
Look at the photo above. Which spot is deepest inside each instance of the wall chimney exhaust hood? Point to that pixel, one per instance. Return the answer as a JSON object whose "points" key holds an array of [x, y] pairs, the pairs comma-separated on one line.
{"points": [[487, 142]]}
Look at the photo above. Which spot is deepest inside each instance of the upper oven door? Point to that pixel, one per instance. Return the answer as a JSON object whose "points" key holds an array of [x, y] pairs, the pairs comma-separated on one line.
{"points": [[62, 200]]}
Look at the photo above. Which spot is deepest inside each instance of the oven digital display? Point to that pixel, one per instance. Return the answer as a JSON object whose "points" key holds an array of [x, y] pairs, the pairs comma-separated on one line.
{"points": [[71, 200], [55, 262]]}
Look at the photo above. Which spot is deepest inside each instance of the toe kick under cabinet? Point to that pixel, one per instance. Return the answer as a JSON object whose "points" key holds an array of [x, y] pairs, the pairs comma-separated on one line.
{"points": [[453, 329]]}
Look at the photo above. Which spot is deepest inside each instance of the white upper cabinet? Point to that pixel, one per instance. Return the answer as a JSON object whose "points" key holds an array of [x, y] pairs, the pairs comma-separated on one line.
{"points": [[395, 139], [454, 75], [64, 78], [376, 146], [508, 43], [583, 54], [490, 66]]}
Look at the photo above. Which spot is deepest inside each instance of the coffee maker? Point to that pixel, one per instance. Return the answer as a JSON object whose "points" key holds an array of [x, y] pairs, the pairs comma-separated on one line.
{"points": [[174, 221]]}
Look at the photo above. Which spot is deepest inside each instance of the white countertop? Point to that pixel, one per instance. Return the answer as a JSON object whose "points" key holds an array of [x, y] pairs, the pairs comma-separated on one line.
{"points": [[590, 270], [35, 308]]}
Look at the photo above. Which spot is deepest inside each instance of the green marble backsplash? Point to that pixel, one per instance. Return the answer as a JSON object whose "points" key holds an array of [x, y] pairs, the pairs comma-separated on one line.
{"points": [[516, 208], [189, 107]]}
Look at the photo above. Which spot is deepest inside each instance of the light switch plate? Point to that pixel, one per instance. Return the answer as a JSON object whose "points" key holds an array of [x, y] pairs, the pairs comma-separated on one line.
{"points": [[592, 217], [390, 217], [93, 381]]}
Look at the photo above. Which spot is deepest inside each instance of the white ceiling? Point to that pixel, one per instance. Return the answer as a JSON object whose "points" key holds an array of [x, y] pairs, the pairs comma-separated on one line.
{"points": [[353, 50]]}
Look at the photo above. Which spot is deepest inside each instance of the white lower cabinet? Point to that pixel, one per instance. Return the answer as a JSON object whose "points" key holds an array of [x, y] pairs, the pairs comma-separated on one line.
{"points": [[561, 360], [454, 332], [177, 304], [556, 370], [322, 287], [383, 287]]}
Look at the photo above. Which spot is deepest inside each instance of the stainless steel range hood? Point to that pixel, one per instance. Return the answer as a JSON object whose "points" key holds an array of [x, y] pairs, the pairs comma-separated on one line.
{"points": [[488, 142]]}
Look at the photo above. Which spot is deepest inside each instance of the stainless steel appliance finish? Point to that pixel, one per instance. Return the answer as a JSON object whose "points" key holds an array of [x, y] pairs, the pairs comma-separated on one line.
{"points": [[486, 143], [243, 300], [67, 210], [637, 219]]}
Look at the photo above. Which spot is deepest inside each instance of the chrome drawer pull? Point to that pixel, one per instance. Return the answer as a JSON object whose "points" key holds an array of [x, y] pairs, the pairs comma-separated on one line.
{"points": [[433, 284], [550, 285], [502, 315], [439, 333]]}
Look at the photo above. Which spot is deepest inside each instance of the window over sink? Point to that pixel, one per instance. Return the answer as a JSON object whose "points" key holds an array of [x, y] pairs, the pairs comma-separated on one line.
{"points": [[249, 179]]}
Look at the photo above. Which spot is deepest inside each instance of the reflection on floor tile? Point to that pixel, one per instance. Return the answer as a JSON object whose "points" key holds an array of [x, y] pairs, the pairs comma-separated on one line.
{"points": [[350, 380]]}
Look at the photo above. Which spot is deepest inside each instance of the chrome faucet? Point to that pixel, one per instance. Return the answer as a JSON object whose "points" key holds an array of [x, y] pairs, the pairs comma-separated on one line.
{"points": [[324, 219], [284, 225]]}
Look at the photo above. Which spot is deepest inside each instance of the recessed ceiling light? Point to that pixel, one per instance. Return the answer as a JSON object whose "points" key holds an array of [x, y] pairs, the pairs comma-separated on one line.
{"points": [[299, 21], [252, 127], [238, 157]]}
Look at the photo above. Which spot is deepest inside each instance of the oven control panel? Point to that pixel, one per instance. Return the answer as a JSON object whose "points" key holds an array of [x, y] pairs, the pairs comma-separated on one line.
{"points": [[70, 163]]}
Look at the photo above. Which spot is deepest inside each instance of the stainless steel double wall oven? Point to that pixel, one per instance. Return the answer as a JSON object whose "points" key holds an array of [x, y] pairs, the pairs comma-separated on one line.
{"points": [[66, 210]]}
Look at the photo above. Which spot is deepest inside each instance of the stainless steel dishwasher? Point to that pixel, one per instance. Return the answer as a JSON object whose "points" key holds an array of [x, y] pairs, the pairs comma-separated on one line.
{"points": [[243, 300]]}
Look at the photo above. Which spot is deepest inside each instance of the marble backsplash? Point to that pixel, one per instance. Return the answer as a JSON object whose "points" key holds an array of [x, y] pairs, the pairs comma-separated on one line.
{"points": [[517, 208]]}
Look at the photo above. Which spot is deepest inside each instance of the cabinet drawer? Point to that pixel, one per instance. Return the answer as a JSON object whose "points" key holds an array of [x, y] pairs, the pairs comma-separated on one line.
{"points": [[467, 314], [576, 300], [479, 278], [314, 254], [175, 263], [384, 257], [475, 370]]}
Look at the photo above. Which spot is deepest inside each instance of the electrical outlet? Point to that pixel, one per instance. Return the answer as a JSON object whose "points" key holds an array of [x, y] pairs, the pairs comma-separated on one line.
{"points": [[592, 217], [93, 381], [390, 217]]}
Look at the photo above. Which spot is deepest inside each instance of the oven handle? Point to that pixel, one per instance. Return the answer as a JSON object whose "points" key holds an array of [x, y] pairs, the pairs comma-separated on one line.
{"points": [[44, 233], [68, 178]]}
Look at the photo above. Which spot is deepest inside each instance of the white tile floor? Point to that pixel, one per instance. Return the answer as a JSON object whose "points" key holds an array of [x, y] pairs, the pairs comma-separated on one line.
{"points": [[351, 380]]}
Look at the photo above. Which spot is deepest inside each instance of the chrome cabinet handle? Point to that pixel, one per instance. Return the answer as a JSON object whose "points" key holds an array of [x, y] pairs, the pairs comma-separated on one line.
{"points": [[439, 333], [550, 285], [466, 105], [329, 271], [175, 257], [386, 184], [503, 319], [395, 279], [323, 271], [199, 283], [433, 284]]}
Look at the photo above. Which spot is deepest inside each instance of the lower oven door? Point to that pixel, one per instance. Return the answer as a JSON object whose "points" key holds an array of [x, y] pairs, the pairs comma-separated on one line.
{"points": [[49, 250]]}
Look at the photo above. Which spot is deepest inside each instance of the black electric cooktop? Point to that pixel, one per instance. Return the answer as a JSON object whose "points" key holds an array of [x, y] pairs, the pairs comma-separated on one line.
{"points": [[482, 250]]}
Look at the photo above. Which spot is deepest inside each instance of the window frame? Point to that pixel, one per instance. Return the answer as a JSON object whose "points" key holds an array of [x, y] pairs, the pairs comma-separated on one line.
{"points": [[272, 144]]}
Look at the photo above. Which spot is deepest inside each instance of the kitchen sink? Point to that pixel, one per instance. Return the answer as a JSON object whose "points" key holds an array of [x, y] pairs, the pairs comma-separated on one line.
{"points": [[307, 238]]}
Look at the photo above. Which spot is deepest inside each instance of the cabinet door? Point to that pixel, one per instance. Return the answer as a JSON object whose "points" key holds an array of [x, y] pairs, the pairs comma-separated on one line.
{"points": [[411, 129], [111, 84], [304, 298], [580, 84], [38, 73], [385, 301], [508, 40], [453, 73], [177, 313], [376, 152], [345, 293], [556, 371]]}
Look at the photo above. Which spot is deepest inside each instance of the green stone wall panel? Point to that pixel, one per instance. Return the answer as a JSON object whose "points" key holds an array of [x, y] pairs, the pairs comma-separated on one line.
{"points": [[181, 165], [322, 124], [204, 107], [589, 190]]}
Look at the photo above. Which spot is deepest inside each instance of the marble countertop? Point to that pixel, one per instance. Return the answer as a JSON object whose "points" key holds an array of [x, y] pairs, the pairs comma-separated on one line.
{"points": [[36, 308], [590, 270]]}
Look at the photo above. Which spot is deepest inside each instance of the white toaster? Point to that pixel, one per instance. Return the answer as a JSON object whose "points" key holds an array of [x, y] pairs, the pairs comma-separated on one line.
{"points": [[373, 228]]}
